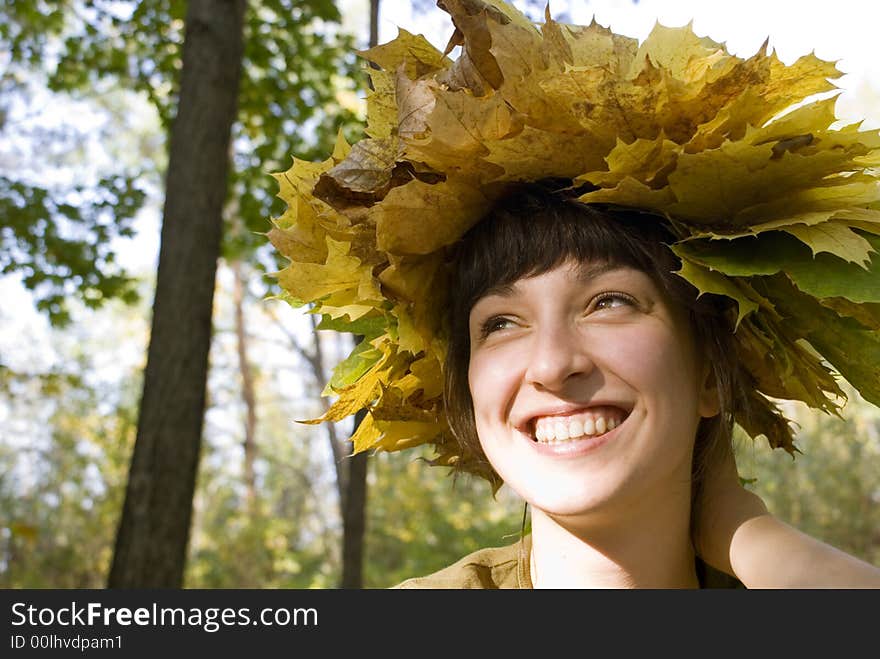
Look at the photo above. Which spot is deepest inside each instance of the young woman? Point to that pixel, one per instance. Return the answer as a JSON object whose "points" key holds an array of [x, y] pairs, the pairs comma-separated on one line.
{"points": [[576, 261], [603, 392]]}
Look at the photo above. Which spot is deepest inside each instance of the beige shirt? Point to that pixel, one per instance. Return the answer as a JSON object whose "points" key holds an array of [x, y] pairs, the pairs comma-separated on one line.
{"points": [[508, 567]]}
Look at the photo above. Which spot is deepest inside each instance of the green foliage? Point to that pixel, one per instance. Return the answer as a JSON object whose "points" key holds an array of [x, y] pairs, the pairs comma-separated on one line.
{"points": [[61, 247], [821, 275], [367, 326], [57, 236], [297, 70], [283, 536], [28, 28], [295, 67], [420, 519], [418, 522], [134, 44], [61, 490], [346, 373], [276, 534], [298, 89]]}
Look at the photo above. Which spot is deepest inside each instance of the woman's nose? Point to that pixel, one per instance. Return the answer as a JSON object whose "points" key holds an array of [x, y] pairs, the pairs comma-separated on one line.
{"points": [[557, 353]]}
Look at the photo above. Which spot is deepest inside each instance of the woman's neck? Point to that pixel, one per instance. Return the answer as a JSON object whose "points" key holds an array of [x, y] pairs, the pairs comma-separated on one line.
{"points": [[649, 548]]}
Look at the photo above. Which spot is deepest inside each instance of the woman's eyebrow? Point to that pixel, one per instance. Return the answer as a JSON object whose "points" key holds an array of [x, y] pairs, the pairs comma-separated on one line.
{"points": [[585, 274], [499, 290]]}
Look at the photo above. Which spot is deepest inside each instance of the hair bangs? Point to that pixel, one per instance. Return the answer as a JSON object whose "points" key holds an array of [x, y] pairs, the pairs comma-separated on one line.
{"points": [[532, 233]]}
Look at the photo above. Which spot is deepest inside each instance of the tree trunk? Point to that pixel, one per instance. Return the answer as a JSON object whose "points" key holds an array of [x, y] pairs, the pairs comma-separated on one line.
{"points": [[247, 385], [374, 23], [336, 448], [354, 514], [153, 533]]}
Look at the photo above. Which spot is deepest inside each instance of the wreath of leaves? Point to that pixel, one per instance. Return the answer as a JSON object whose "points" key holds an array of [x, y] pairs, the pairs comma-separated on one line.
{"points": [[777, 207]]}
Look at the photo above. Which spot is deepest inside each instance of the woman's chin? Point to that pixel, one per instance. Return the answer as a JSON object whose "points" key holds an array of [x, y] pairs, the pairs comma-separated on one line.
{"points": [[557, 500]]}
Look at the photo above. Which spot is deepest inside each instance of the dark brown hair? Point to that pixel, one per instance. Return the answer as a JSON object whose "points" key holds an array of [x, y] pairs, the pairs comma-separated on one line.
{"points": [[531, 231]]}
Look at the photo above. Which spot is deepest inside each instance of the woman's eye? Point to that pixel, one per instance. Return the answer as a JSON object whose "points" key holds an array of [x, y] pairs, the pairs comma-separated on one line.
{"points": [[495, 324], [612, 299]]}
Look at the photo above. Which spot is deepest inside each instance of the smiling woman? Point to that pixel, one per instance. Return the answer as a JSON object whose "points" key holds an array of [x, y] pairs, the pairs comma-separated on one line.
{"points": [[587, 388], [600, 387], [577, 262], [588, 342], [583, 372]]}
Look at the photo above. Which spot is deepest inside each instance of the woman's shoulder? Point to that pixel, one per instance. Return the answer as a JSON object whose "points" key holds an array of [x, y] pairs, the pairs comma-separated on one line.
{"points": [[487, 568]]}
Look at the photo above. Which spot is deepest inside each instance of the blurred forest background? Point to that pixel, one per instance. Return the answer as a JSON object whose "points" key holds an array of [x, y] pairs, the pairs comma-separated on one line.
{"points": [[226, 489]]}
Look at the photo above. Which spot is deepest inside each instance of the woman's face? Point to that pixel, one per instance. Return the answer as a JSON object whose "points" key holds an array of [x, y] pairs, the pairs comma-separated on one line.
{"points": [[586, 388]]}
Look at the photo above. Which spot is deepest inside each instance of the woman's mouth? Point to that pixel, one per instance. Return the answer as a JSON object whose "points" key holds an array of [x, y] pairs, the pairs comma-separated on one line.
{"points": [[586, 424]]}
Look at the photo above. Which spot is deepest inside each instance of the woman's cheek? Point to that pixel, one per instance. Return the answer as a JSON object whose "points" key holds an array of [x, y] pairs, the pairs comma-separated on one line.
{"points": [[646, 355], [492, 373]]}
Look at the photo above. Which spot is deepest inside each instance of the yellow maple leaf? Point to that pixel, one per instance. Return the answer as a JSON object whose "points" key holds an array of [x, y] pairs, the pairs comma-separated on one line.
{"points": [[450, 207], [462, 122], [381, 104], [340, 272], [709, 281], [414, 102], [533, 154], [633, 193], [392, 435], [647, 161], [475, 20], [414, 52], [582, 46], [304, 236], [835, 238]]}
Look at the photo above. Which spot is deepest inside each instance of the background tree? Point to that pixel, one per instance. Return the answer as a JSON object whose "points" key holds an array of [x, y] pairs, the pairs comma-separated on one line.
{"points": [[297, 90], [294, 71], [154, 529]]}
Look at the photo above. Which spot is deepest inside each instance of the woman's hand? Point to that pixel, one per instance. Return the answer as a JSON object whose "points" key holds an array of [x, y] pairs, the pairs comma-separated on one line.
{"points": [[735, 533]]}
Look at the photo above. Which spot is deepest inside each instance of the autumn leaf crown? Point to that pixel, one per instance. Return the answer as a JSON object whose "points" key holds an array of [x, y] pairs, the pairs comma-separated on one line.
{"points": [[777, 209]]}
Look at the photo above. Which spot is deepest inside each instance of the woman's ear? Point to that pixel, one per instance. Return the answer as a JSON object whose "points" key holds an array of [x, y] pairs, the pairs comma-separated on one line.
{"points": [[709, 398]]}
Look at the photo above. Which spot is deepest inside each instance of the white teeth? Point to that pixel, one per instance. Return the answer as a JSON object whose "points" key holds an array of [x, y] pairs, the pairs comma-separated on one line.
{"points": [[589, 427], [551, 430]]}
